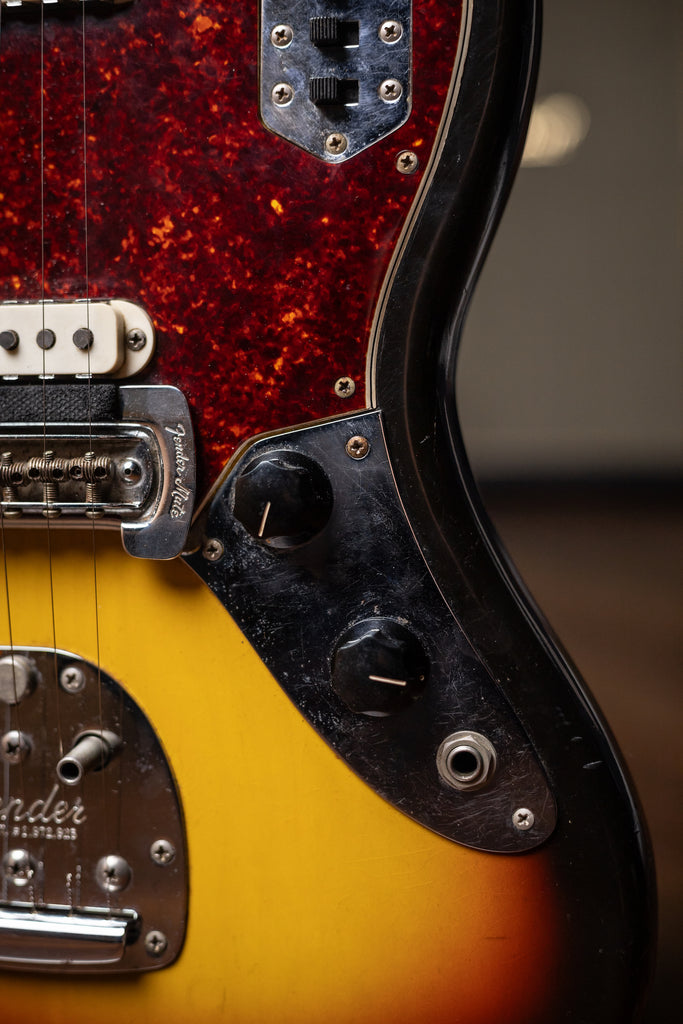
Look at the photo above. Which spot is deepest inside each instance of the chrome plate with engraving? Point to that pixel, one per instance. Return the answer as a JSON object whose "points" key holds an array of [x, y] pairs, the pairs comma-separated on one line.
{"points": [[93, 861], [138, 470], [337, 77]]}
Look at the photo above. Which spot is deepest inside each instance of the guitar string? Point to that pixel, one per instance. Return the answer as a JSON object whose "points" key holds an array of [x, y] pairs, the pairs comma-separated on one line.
{"points": [[93, 531]]}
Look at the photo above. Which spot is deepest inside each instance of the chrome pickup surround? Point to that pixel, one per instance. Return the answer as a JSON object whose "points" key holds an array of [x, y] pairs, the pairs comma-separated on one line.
{"points": [[93, 868], [138, 471], [307, 546], [335, 76]]}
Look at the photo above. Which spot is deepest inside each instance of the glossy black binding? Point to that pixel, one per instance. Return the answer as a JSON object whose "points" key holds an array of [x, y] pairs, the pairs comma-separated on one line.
{"points": [[600, 852]]}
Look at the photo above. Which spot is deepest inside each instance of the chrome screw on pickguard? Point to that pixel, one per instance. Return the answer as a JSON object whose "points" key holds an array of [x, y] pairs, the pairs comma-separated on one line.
{"points": [[213, 549], [390, 91], [523, 819], [15, 746], [344, 387], [156, 943], [112, 873], [407, 162], [281, 36], [336, 143], [162, 852], [72, 679], [390, 31], [357, 447], [18, 867], [282, 94], [136, 339]]}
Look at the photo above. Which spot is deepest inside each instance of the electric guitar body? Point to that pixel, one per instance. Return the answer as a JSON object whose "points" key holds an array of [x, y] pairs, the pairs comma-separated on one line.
{"points": [[283, 739]]}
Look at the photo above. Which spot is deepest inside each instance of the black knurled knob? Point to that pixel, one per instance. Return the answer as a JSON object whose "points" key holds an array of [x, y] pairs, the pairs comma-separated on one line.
{"points": [[283, 499], [379, 667]]}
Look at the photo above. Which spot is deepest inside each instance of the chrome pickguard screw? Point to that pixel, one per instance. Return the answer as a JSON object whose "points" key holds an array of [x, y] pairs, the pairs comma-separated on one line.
{"points": [[156, 943], [112, 873], [136, 339], [162, 852], [282, 94], [213, 549], [391, 90], [523, 819], [18, 867], [390, 31], [407, 162], [357, 447], [281, 36], [15, 746], [72, 679], [344, 387], [336, 143]]}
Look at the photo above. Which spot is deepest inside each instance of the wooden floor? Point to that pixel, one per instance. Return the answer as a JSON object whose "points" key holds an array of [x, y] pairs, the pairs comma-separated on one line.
{"points": [[604, 564]]}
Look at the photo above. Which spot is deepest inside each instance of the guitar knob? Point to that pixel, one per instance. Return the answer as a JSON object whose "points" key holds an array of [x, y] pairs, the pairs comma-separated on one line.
{"points": [[17, 678], [283, 499], [379, 667]]}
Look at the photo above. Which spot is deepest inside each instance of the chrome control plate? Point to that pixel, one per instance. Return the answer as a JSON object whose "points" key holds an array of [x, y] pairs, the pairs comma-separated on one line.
{"points": [[335, 77], [93, 868]]}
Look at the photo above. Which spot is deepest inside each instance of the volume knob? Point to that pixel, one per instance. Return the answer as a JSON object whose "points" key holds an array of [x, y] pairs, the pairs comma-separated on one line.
{"points": [[283, 499]]}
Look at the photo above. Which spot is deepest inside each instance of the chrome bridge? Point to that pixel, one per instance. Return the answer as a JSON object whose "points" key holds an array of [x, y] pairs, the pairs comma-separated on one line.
{"points": [[134, 465]]}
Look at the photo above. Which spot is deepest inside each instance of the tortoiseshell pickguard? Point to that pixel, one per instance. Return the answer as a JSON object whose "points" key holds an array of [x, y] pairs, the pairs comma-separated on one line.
{"points": [[259, 264]]}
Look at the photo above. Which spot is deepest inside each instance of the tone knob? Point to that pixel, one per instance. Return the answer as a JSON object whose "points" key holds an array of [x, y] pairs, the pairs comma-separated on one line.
{"points": [[17, 678], [379, 667], [283, 499]]}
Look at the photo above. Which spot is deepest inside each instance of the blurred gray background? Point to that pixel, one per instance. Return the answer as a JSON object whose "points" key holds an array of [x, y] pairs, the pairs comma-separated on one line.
{"points": [[570, 393], [572, 360]]}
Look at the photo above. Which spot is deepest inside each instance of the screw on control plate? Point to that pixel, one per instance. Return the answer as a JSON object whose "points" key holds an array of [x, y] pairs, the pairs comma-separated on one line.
{"points": [[390, 31], [136, 339], [523, 819], [357, 447], [72, 679], [162, 852], [282, 94], [344, 387], [156, 943], [213, 549], [407, 162], [336, 143], [390, 90], [15, 746], [281, 36]]}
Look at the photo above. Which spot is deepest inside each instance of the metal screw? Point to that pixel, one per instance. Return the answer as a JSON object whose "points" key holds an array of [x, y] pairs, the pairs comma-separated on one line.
{"points": [[523, 819], [162, 852], [131, 471], [18, 867], [336, 143], [15, 746], [136, 339], [357, 447], [344, 387], [156, 943], [407, 162], [72, 679], [213, 549], [282, 94], [281, 36], [112, 873], [390, 90], [390, 31]]}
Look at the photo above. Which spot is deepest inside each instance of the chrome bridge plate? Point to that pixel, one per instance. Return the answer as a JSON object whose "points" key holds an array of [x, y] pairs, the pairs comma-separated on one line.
{"points": [[93, 862], [137, 469]]}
